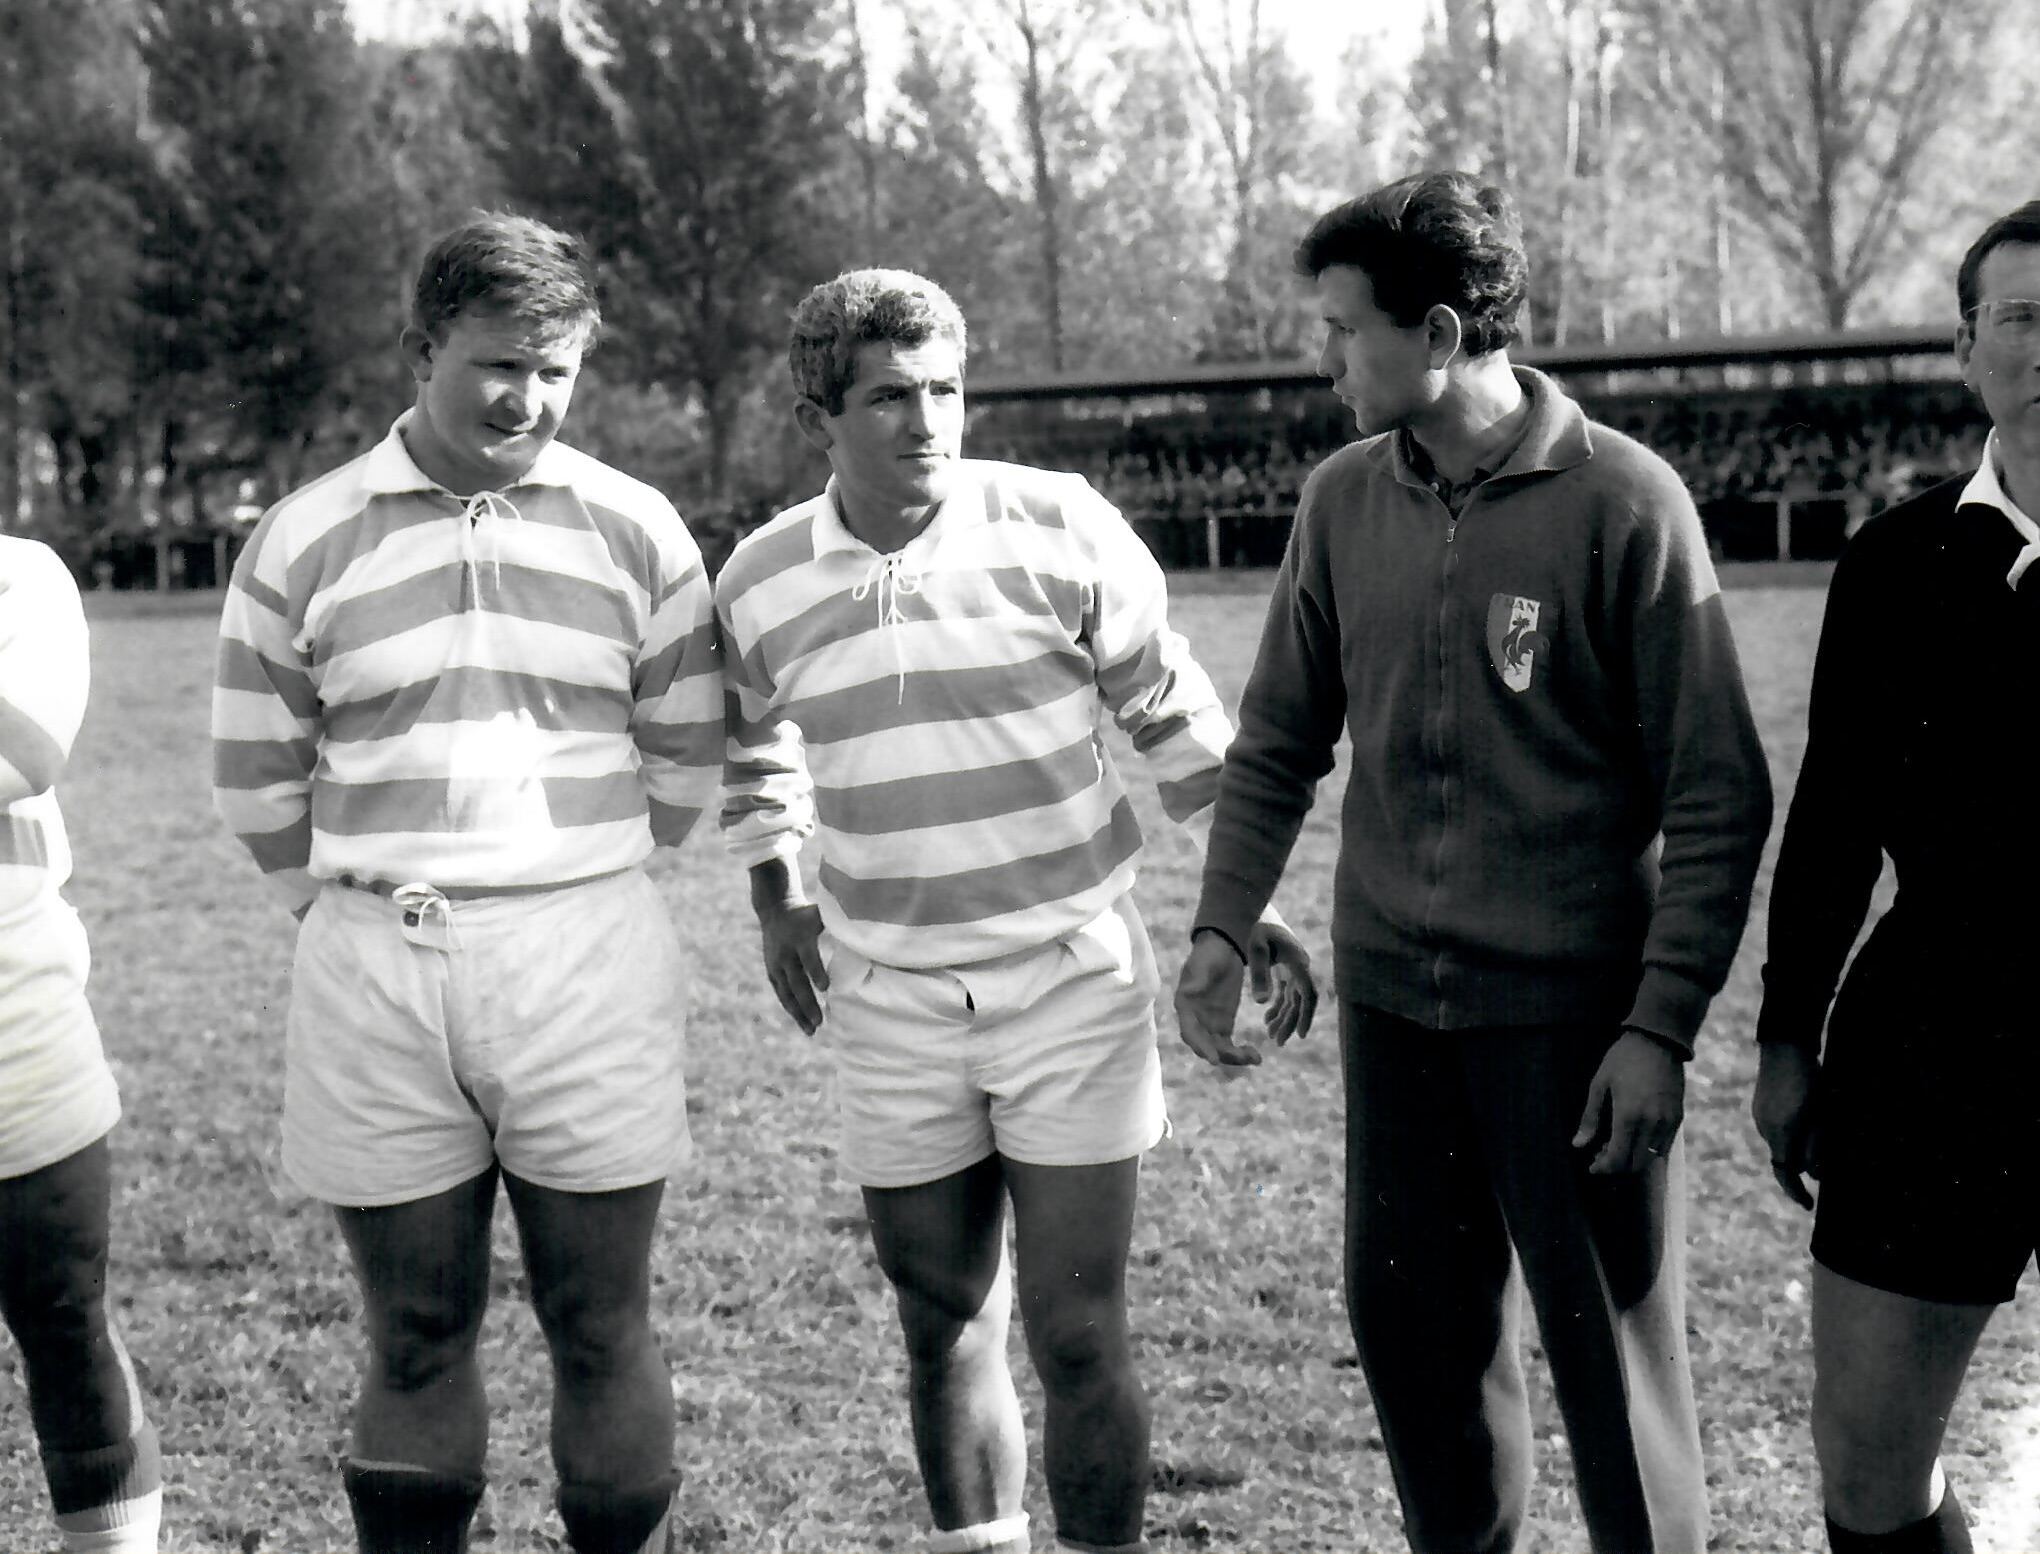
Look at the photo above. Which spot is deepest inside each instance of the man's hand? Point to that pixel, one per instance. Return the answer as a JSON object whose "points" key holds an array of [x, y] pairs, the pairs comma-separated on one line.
{"points": [[1786, 1115], [1634, 1105], [793, 961], [792, 931], [1208, 1000], [1278, 977]]}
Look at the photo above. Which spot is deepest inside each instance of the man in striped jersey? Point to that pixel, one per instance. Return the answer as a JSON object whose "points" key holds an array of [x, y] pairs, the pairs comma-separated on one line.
{"points": [[928, 643], [57, 1096], [466, 683]]}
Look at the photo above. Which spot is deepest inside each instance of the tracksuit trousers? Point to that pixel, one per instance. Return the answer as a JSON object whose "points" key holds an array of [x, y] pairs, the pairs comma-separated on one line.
{"points": [[1463, 1190]]}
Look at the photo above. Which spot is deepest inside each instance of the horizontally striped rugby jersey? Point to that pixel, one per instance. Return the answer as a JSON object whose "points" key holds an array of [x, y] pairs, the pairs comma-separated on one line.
{"points": [[508, 692], [45, 669], [946, 698]]}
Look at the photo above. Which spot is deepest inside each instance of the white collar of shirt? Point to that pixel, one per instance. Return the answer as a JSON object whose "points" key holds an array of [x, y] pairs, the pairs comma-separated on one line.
{"points": [[963, 508], [1985, 489], [391, 468]]}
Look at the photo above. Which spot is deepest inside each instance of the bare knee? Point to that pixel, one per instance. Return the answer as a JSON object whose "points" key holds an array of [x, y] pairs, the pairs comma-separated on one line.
{"points": [[592, 1335], [949, 1326], [420, 1342], [1077, 1343], [56, 1308], [1876, 1469]]}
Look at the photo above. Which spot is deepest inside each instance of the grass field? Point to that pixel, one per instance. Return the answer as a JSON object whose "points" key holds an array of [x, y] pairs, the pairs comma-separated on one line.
{"points": [[234, 1296]]}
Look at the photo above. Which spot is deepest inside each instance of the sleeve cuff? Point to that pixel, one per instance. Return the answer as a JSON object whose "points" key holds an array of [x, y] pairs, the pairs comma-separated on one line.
{"points": [[1218, 932], [1668, 1008]]}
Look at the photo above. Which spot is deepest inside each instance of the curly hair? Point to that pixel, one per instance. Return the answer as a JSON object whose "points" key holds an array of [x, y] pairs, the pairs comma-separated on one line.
{"points": [[498, 262], [1429, 239], [860, 307]]}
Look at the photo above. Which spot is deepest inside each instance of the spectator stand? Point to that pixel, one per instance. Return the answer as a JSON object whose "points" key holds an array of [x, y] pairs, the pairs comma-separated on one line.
{"points": [[1787, 442]]}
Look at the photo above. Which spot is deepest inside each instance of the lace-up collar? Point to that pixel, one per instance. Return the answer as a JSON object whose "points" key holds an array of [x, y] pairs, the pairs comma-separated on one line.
{"points": [[885, 578]]}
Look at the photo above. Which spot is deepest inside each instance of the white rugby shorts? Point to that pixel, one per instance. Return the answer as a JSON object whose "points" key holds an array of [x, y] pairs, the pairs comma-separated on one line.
{"points": [[1045, 1056], [428, 1039], [56, 1093]]}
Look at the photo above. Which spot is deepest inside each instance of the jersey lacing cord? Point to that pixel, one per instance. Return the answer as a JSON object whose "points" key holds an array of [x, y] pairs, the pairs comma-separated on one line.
{"points": [[483, 504], [890, 577]]}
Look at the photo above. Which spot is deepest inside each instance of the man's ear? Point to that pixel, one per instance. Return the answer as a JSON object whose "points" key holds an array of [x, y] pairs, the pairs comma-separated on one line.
{"points": [[813, 422], [416, 347], [1965, 344], [1445, 334]]}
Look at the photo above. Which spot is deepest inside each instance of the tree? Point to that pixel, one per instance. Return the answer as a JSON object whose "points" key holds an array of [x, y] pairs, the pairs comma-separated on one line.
{"points": [[1052, 51], [1261, 112], [268, 293], [68, 176], [946, 206], [1824, 115], [694, 143]]}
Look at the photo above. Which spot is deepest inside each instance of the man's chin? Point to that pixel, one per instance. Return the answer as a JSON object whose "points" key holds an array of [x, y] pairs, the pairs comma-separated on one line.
{"points": [[511, 459]]}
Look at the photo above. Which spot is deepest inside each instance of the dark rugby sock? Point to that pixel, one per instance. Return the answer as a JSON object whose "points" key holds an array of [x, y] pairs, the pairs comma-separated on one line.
{"points": [[110, 1497], [608, 1519], [1945, 1532], [400, 1509]]}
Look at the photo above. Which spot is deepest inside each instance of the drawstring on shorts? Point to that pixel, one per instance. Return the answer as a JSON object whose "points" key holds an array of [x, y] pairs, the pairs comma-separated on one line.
{"points": [[428, 917]]}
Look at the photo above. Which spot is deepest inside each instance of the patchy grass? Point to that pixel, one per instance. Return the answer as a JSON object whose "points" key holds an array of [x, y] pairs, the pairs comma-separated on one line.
{"points": [[235, 1298]]}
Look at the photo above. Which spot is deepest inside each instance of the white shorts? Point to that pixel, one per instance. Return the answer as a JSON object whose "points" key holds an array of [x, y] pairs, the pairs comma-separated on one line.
{"points": [[541, 1031], [1046, 1056], [56, 1093]]}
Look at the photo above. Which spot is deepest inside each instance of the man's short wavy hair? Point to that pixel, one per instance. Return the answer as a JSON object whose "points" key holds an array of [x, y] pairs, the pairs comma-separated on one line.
{"points": [[2017, 226], [505, 265], [860, 307], [1429, 239]]}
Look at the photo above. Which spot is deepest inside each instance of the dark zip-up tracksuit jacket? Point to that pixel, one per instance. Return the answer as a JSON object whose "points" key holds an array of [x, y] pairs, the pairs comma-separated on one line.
{"points": [[1557, 799]]}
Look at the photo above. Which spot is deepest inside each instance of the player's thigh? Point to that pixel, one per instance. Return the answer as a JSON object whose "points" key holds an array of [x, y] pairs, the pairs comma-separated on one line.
{"points": [[942, 1246], [53, 1243], [1072, 1226], [1887, 1368], [588, 1256], [423, 1268]]}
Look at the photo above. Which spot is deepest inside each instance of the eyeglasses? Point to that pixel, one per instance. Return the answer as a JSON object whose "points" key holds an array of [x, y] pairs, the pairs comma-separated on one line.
{"points": [[2016, 318]]}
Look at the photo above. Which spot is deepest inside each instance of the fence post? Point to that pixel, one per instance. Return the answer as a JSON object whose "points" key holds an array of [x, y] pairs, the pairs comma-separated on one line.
{"points": [[1784, 527], [1213, 561]]}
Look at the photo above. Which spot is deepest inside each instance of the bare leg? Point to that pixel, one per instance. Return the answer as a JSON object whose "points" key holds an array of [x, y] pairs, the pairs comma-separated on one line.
{"points": [[942, 1244], [589, 1257], [1072, 1226], [1886, 1372], [53, 1246], [423, 1268]]}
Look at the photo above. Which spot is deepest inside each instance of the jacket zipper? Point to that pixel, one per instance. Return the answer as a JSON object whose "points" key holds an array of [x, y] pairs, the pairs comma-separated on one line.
{"points": [[1443, 766]]}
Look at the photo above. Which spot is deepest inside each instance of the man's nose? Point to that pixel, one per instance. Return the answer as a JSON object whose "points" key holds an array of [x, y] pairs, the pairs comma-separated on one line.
{"points": [[920, 412], [1328, 361]]}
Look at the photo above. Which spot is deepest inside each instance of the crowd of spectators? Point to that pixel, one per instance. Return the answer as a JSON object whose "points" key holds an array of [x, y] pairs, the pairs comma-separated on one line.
{"points": [[1839, 457]]}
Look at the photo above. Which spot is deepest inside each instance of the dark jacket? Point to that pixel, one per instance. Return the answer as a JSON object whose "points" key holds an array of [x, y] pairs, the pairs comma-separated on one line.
{"points": [[1919, 748], [1536, 692]]}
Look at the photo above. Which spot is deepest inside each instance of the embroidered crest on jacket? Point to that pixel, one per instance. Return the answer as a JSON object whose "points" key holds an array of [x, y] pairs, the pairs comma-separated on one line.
{"points": [[1513, 639]]}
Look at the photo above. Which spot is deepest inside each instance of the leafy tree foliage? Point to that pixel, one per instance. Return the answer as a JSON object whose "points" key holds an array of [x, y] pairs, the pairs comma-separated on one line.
{"points": [[694, 143], [68, 266], [1822, 113], [268, 294]]}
